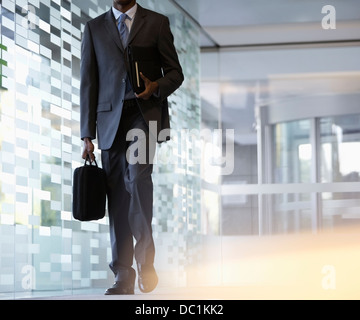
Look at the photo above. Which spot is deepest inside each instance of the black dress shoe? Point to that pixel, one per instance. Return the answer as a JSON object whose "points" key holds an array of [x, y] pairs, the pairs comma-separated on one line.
{"points": [[120, 287], [147, 278]]}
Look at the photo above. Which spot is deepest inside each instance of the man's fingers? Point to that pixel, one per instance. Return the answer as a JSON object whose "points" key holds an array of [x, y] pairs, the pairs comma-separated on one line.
{"points": [[91, 155], [88, 151], [143, 77], [90, 148], [146, 94], [84, 154], [143, 95]]}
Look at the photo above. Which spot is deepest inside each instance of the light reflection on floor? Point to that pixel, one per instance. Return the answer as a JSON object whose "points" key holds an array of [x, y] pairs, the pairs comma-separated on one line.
{"points": [[302, 266], [306, 267]]}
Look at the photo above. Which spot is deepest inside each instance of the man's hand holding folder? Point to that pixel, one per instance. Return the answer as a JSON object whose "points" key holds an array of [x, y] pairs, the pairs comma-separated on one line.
{"points": [[144, 69], [151, 87]]}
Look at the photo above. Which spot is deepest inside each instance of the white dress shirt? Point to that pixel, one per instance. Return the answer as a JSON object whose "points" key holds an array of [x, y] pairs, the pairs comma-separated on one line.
{"points": [[131, 14]]}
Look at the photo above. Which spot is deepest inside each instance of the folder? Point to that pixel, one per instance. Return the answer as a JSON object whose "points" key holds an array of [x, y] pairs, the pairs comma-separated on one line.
{"points": [[145, 60]]}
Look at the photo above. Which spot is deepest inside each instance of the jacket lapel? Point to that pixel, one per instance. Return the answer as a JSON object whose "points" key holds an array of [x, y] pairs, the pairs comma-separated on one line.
{"points": [[113, 31], [137, 24]]}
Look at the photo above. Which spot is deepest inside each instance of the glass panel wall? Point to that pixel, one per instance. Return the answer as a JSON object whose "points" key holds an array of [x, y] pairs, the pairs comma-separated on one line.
{"points": [[276, 146], [43, 251]]}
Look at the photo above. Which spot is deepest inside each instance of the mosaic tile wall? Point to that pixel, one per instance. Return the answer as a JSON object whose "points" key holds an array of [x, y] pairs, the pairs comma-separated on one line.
{"points": [[41, 247]]}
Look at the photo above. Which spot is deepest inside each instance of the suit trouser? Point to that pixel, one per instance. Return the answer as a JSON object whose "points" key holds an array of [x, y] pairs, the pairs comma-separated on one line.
{"points": [[130, 193]]}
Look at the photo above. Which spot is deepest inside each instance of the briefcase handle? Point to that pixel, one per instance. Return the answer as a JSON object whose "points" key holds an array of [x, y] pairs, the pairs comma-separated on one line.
{"points": [[89, 160]]}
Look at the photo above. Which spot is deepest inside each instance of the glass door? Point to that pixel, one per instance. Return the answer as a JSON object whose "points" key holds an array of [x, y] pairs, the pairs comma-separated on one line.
{"points": [[340, 162], [292, 155], [309, 161]]}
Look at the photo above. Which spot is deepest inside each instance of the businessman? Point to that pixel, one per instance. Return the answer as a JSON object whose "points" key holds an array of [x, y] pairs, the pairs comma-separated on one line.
{"points": [[110, 110]]}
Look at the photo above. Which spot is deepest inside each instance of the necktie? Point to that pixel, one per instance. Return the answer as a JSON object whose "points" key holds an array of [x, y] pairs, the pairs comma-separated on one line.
{"points": [[124, 34], [123, 29]]}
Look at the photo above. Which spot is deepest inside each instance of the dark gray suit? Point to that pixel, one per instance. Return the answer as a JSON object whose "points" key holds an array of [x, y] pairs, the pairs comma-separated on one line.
{"points": [[103, 83]]}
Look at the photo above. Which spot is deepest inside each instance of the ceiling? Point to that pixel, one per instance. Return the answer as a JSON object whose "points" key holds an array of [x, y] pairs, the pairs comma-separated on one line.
{"points": [[230, 23]]}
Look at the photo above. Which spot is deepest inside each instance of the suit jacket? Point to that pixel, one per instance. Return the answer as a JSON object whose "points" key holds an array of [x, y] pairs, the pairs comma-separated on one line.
{"points": [[103, 73]]}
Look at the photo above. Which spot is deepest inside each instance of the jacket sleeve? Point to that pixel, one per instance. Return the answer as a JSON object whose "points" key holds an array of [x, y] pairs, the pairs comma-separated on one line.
{"points": [[89, 85], [173, 75]]}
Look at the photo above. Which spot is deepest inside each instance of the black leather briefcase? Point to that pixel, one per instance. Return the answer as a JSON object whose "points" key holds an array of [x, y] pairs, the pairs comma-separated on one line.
{"points": [[89, 192]]}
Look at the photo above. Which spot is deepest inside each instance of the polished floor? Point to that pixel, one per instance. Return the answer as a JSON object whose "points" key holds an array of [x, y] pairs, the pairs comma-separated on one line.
{"points": [[298, 267]]}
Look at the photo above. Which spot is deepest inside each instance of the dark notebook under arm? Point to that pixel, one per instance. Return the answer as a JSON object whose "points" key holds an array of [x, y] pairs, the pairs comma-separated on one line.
{"points": [[145, 60]]}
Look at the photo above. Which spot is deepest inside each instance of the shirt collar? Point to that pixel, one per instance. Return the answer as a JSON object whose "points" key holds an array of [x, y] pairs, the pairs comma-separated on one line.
{"points": [[131, 12]]}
